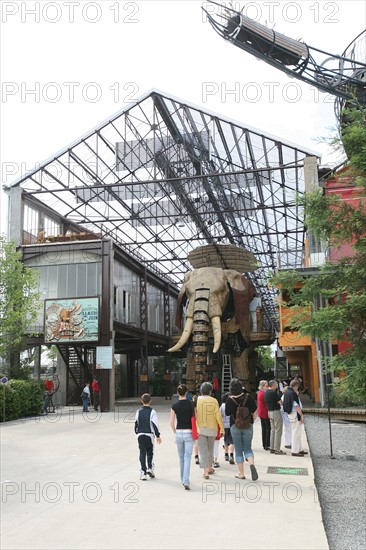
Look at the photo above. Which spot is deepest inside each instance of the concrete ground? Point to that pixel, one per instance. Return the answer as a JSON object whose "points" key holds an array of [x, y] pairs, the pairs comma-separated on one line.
{"points": [[71, 481]]}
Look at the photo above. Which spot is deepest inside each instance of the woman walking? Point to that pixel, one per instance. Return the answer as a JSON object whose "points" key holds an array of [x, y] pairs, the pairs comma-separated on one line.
{"points": [[208, 420], [242, 437], [180, 422]]}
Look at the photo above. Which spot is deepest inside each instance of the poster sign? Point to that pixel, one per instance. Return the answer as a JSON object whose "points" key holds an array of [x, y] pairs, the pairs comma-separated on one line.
{"points": [[104, 357], [71, 320]]}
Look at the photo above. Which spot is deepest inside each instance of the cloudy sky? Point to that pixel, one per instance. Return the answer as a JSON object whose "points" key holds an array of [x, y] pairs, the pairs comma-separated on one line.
{"points": [[68, 65]]}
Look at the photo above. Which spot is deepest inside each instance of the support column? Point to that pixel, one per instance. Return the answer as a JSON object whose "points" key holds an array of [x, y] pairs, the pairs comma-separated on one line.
{"points": [[37, 362], [143, 374]]}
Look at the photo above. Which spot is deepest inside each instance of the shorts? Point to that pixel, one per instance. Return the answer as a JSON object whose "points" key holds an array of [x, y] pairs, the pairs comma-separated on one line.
{"points": [[228, 438]]}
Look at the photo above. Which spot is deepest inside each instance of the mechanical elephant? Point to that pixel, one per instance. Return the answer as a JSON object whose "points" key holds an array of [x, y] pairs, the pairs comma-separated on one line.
{"points": [[216, 305]]}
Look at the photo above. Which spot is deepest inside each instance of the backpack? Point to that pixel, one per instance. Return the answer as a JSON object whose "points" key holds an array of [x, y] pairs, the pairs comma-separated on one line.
{"points": [[243, 415], [287, 402]]}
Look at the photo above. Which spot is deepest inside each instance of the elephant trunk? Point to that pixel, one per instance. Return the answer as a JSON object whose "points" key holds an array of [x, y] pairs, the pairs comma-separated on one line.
{"points": [[201, 327]]}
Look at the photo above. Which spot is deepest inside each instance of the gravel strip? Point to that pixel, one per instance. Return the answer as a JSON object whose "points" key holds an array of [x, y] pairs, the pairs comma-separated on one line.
{"points": [[341, 482]]}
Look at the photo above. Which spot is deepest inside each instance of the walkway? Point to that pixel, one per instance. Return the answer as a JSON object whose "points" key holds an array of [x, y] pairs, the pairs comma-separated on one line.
{"points": [[72, 482]]}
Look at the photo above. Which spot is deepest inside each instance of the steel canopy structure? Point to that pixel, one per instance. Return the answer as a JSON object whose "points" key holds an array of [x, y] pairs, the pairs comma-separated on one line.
{"points": [[342, 76], [163, 176]]}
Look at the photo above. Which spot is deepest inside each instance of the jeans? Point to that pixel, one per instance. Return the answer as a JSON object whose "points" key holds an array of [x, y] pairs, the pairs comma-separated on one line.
{"points": [[184, 442], [242, 442], [86, 404]]}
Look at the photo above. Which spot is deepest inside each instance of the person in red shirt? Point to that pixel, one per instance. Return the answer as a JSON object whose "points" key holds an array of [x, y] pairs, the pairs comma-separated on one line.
{"points": [[49, 385], [263, 414], [96, 393]]}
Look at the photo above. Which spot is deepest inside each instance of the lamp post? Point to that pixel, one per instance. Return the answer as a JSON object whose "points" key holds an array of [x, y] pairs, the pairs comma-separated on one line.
{"points": [[330, 424]]}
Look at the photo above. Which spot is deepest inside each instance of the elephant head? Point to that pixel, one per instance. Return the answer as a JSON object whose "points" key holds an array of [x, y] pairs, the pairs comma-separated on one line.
{"points": [[212, 295]]}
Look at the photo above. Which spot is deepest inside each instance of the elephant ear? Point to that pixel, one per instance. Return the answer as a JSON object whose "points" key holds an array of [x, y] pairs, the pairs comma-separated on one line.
{"points": [[181, 300], [241, 288]]}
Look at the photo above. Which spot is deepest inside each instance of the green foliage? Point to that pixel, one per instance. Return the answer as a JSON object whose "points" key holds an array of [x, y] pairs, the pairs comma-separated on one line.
{"points": [[354, 137], [342, 285], [160, 364], [20, 398], [265, 357], [19, 304]]}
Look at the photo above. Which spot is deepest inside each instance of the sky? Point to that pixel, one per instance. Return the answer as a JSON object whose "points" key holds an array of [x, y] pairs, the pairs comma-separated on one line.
{"points": [[68, 65]]}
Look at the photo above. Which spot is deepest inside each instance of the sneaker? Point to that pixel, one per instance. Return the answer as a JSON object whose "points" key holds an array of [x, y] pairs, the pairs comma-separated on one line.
{"points": [[227, 458], [150, 472], [279, 453], [231, 461], [187, 487], [287, 446], [143, 476], [216, 465], [254, 472], [196, 459]]}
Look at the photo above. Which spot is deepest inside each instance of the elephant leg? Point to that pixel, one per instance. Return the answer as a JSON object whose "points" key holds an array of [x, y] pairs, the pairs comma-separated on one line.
{"points": [[240, 368], [252, 367]]}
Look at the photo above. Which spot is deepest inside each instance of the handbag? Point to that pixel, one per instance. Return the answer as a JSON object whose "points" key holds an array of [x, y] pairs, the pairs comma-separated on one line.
{"points": [[195, 433], [84, 395], [218, 435]]}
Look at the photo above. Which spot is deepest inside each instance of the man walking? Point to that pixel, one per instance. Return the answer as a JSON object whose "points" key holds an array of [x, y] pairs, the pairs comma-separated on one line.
{"points": [[272, 399]]}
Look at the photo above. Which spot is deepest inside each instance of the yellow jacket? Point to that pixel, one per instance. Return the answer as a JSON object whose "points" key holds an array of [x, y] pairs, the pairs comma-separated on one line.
{"points": [[208, 413]]}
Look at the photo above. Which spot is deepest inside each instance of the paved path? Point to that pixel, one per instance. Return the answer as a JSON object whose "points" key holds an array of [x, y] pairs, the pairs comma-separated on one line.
{"points": [[72, 482]]}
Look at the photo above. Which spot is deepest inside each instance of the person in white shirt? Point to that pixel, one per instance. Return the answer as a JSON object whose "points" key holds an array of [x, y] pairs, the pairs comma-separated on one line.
{"points": [[286, 421], [253, 305]]}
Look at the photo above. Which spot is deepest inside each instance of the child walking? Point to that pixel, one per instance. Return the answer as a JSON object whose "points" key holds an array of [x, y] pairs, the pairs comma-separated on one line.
{"points": [[228, 439], [146, 428]]}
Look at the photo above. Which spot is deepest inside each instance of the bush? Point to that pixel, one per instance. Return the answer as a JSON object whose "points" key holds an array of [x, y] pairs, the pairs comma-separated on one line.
{"points": [[341, 398], [20, 398]]}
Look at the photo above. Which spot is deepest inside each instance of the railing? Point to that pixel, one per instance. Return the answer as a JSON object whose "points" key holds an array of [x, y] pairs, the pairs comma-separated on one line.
{"points": [[41, 237]]}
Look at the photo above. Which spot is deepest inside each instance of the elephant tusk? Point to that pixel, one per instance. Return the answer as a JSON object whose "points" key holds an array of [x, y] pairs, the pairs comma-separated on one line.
{"points": [[185, 335], [216, 329]]}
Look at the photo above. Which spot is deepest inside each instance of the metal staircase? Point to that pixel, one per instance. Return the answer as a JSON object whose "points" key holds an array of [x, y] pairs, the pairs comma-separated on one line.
{"points": [[226, 372], [78, 371]]}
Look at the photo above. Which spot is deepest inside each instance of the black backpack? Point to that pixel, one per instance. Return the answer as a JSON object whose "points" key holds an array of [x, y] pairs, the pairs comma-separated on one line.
{"points": [[243, 417]]}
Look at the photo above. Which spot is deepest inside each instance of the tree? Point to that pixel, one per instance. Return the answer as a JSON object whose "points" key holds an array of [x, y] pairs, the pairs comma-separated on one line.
{"points": [[19, 306], [342, 286], [265, 357]]}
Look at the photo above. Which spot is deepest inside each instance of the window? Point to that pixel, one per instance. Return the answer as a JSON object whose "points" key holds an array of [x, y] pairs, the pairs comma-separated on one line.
{"points": [[30, 220], [126, 301], [50, 226]]}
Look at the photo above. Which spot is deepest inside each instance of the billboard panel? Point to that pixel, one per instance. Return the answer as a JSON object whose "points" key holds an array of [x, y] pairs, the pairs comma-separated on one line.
{"points": [[71, 320], [104, 357]]}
